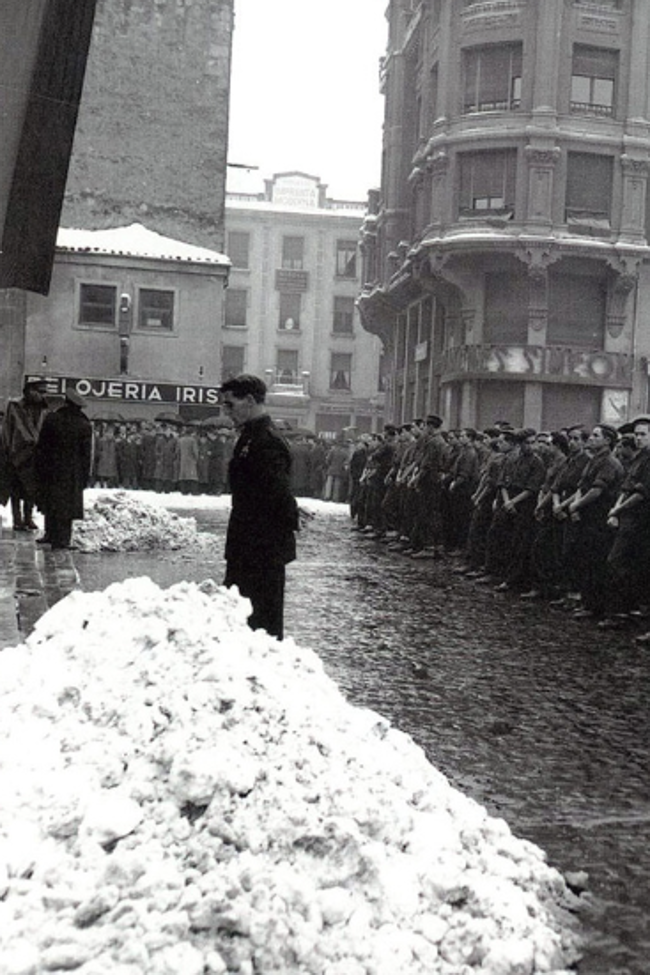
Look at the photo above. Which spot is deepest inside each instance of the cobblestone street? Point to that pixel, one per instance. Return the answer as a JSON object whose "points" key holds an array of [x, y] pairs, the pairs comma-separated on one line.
{"points": [[541, 718]]}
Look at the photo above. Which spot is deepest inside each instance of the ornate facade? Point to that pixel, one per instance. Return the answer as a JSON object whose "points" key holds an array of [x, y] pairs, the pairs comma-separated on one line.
{"points": [[506, 257]]}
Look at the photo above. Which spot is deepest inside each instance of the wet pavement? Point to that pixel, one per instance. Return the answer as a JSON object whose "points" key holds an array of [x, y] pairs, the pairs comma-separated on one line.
{"points": [[542, 718]]}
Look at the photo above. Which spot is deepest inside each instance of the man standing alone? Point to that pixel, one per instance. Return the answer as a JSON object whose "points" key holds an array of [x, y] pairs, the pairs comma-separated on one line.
{"points": [[63, 457], [20, 432], [260, 540]]}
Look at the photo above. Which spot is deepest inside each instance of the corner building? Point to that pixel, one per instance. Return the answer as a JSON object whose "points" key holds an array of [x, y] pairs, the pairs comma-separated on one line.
{"points": [[506, 256]]}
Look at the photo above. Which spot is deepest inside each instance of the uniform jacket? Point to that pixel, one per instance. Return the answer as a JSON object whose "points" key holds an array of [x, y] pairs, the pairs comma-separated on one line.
{"points": [[63, 457], [264, 513]]}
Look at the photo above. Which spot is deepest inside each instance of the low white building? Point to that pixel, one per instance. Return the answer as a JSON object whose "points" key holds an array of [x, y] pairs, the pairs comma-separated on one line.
{"points": [[132, 321]]}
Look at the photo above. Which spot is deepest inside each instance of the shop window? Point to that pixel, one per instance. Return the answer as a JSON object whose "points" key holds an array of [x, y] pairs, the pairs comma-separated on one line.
{"points": [[97, 305], [593, 80], [343, 315], [232, 361], [487, 183], [346, 259], [563, 405], [589, 191], [287, 366], [290, 307], [236, 307], [239, 248], [492, 78], [156, 310], [293, 252], [341, 371]]}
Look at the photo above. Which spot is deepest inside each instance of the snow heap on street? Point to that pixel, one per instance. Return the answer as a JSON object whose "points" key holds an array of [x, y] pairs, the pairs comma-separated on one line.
{"points": [[120, 521], [180, 795]]}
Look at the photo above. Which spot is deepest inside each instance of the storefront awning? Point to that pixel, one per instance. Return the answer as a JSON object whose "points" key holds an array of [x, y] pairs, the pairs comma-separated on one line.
{"points": [[43, 52]]}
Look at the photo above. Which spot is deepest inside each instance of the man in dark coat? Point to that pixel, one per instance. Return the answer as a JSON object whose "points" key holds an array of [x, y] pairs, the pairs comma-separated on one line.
{"points": [[63, 458], [260, 540], [20, 432]]}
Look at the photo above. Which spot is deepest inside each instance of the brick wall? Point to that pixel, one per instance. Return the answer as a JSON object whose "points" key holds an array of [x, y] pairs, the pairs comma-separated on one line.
{"points": [[152, 133]]}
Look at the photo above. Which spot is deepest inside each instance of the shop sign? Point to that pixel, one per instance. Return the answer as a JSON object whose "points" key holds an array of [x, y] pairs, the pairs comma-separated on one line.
{"points": [[542, 363], [132, 391]]}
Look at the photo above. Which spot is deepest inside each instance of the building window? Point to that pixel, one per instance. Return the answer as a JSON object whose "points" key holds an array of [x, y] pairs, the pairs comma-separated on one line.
{"points": [[97, 305], [593, 80], [487, 182], [576, 311], [343, 315], [238, 248], [232, 361], [156, 310], [346, 259], [287, 366], [293, 252], [341, 370], [236, 306], [289, 320], [492, 78], [589, 191]]}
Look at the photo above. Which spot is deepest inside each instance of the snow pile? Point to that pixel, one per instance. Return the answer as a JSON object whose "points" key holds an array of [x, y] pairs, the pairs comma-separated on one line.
{"points": [[121, 522], [181, 796]]}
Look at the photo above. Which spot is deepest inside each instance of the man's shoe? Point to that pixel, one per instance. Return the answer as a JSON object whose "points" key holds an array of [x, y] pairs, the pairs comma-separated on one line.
{"points": [[531, 595], [43, 541], [425, 553], [486, 580], [643, 639], [31, 526], [503, 587], [474, 574], [582, 614]]}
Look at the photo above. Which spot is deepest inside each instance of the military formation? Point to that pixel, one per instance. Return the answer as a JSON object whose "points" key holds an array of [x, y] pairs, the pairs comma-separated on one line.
{"points": [[560, 517]]}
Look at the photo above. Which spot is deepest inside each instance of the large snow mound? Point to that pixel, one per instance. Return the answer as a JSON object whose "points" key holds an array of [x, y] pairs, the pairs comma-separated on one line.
{"points": [[180, 795], [120, 521]]}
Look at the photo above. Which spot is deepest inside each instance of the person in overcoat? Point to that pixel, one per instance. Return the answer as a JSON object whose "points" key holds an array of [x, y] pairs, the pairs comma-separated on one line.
{"points": [[20, 432], [62, 462], [260, 540]]}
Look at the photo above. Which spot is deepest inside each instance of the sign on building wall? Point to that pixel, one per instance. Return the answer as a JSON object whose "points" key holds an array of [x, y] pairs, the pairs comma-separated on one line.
{"points": [[543, 363], [296, 191], [133, 391]]}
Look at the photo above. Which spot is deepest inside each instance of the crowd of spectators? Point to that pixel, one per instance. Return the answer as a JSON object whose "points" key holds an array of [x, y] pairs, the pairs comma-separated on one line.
{"points": [[560, 517]]}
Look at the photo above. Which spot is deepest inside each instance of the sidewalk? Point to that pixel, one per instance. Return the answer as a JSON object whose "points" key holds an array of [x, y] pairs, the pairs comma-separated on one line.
{"points": [[32, 578]]}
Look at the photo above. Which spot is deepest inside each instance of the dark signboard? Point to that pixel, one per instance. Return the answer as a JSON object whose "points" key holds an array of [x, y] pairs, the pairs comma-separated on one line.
{"points": [[132, 391]]}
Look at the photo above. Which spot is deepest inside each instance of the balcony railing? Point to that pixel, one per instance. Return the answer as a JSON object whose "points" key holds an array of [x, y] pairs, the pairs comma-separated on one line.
{"points": [[288, 382]]}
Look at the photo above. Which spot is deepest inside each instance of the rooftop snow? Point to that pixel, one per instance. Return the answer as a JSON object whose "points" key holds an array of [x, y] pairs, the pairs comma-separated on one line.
{"points": [[136, 241]]}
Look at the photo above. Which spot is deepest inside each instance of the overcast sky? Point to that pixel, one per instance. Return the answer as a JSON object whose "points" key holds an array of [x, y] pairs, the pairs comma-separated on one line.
{"points": [[305, 90]]}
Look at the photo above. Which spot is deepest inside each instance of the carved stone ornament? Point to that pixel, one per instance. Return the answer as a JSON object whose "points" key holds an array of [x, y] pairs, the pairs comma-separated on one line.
{"points": [[542, 157], [438, 164], [635, 167], [619, 290]]}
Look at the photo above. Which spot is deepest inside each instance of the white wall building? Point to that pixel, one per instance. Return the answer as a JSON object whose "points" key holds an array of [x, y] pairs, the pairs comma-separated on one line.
{"points": [[290, 308]]}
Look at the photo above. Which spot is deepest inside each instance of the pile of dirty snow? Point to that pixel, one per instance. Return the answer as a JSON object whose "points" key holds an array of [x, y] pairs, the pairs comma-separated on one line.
{"points": [[180, 795], [120, 521]]}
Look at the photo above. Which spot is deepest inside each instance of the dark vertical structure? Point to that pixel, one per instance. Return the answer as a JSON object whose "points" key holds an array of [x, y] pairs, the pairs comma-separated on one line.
{"points": [[43, 52]]}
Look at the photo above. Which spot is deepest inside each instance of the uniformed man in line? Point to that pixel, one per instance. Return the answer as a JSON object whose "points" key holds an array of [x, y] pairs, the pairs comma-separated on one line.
{"points": [[629, 556]]}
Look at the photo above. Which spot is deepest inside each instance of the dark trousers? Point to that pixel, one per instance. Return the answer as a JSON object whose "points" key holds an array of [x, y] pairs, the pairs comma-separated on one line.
{"points": [[58, 530], [265, 589]]}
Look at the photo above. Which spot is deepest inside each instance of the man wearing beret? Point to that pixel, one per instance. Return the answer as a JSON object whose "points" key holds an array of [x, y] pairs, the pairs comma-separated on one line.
{"points": [[628, 558], [63, 457], [589, 510], [20, 432]]}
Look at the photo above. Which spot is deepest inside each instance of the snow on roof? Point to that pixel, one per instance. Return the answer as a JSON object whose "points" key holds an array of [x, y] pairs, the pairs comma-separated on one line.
{"points": [[136, 241]]}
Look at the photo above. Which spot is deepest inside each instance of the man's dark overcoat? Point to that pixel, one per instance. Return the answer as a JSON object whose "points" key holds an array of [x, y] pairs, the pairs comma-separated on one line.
{"points": [[63, 456], [264, 512]]}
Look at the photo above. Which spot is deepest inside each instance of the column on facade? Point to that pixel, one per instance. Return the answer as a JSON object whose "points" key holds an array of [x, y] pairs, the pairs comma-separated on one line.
{"points": [[541, 163], [638, 104], [546, 69], [635, 183]]}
